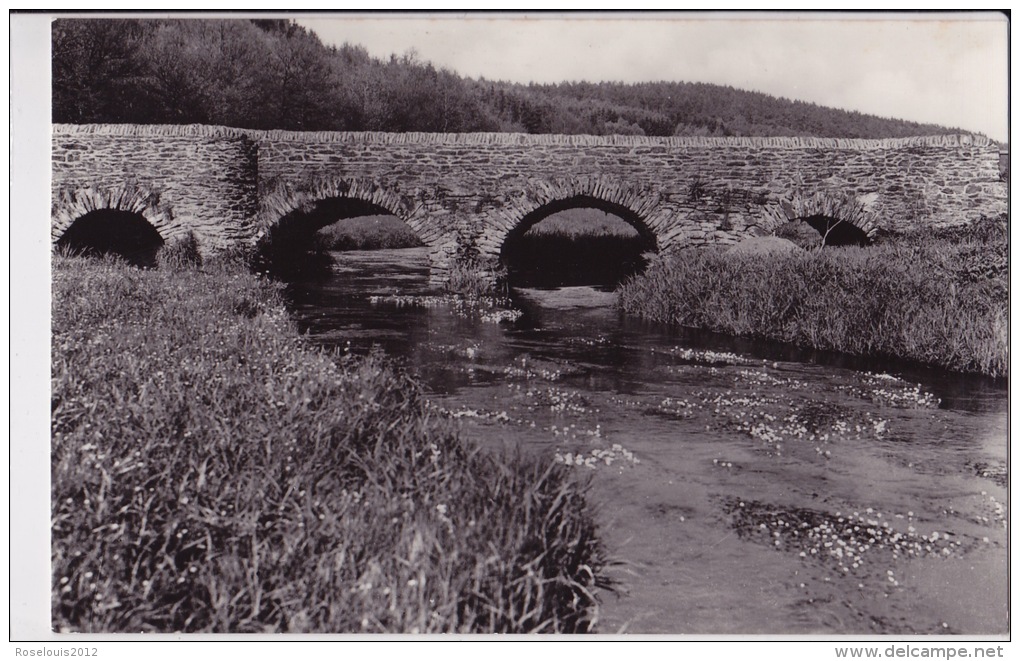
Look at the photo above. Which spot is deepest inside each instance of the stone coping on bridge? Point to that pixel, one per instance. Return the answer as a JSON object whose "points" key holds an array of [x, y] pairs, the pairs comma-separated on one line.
{"points": [[375, 137]]}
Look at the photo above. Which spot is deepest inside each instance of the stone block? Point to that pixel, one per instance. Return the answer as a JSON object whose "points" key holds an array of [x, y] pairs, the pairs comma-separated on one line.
{"points": [[210, 176]]}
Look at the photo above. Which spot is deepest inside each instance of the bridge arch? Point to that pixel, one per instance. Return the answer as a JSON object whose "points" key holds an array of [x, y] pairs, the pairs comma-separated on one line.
{"points": [[838, 219], [360, 197], [290, 216], [129, 221], [638, 208], [70, 204], [565, 254]]}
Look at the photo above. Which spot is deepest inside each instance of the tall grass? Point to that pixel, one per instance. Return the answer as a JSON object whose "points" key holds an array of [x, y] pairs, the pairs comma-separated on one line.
{"points": [[939, 298], [475, 280], [211, 472], [367, 233], [181, 253]]}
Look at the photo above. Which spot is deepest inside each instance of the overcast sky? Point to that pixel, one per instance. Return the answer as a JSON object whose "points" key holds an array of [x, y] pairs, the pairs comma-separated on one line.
{"points": [[947, 69]]}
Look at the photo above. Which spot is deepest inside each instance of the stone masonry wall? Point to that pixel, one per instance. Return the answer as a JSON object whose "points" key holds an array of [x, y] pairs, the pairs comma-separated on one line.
{"points": [[477, 188], [206, 184]]}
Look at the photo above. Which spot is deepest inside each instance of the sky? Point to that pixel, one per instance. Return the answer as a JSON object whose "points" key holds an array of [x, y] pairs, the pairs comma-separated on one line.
{"points": [[948, 72], [946, 69]]}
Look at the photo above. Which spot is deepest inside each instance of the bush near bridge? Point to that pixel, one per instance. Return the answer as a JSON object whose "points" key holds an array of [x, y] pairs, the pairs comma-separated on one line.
{"points": [[211, 472], [937, 297]]}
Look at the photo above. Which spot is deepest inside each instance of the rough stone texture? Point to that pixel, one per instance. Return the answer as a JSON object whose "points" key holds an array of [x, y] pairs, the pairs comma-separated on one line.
{"points": [[469, 191], [206, 184]]}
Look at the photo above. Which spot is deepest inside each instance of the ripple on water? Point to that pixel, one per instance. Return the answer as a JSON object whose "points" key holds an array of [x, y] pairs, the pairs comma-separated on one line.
{"points": [[676, 430]]}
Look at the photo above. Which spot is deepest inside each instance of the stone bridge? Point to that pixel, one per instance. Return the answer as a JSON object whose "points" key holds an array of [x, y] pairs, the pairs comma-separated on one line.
{"points": [[467, 193]]}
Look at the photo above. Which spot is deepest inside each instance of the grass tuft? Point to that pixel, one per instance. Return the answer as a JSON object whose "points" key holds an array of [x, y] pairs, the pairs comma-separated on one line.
{"points": [[180, 253], [211, 472], [473, 280], [939, 298]]}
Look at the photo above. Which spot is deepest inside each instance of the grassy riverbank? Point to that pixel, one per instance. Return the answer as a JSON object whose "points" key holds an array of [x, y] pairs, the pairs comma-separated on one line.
{"points": [[939, 298], [367, 233], [574, 247], [211, 472]]}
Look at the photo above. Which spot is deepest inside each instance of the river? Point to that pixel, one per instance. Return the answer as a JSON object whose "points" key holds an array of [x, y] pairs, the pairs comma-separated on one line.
{"points": [[741, 487]]}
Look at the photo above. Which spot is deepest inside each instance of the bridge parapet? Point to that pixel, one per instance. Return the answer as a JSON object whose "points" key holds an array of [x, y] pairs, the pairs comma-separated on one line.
{"points": [[231, 185], [531, 139]]}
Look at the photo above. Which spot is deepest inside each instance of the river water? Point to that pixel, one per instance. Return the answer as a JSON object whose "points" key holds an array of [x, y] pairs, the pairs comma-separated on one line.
{"points": [[740, 487]]}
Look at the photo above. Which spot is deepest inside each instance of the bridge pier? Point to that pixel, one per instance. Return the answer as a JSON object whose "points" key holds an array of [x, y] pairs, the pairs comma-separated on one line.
{"points": [[464, 260], [463, 194]]}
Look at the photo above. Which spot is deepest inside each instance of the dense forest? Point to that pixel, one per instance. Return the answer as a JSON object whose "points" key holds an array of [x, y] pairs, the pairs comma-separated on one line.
{"points": [[268, 74]]}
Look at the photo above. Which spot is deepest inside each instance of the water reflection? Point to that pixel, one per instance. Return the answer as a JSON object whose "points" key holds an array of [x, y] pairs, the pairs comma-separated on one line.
{"points": [[737, 480]]}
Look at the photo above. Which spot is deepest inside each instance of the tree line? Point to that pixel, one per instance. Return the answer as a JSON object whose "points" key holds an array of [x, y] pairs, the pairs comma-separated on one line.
{"points": [[275, 74]]}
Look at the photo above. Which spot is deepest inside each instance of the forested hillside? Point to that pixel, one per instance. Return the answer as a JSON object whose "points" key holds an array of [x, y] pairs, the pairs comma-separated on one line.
{"points": [[275, 74]]}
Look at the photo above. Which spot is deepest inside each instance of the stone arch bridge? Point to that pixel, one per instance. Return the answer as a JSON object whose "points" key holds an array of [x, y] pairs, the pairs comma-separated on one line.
{"points": [[467, 193]]}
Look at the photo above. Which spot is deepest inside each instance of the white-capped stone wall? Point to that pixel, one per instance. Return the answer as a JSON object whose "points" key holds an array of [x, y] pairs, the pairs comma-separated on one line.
{"points": [[232, 185]]}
